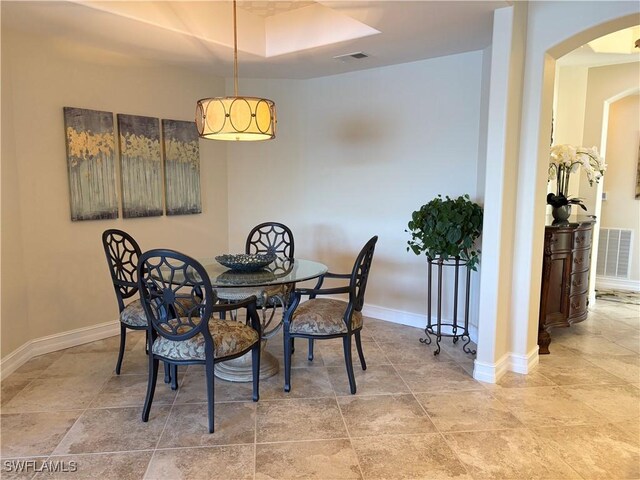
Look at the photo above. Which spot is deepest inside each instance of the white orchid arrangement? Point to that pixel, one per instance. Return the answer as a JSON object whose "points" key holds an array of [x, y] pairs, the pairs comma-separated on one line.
{"points": [[567, 159]]}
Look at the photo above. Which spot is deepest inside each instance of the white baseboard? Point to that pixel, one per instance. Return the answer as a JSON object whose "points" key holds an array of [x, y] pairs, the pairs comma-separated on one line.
{"points": [[407, 318], [58, 341], [618, 284], [491, 373], [524, 363]]}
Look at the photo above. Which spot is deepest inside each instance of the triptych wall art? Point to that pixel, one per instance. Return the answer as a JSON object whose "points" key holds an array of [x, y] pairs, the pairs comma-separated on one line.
{"points": [[91, 163]]}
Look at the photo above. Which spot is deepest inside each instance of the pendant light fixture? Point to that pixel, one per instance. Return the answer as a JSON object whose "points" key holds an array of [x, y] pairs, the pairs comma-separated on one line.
{"points": [[236, 118]]}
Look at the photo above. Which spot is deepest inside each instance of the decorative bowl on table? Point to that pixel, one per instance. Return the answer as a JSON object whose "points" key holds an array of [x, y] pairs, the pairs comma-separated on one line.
{"points": [[244, 262], [237, 277]]}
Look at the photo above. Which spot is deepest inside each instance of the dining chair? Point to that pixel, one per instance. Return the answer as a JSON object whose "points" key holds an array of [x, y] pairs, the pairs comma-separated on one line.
{"points": [[265, 238], [122, 253], [324, 318], [179, 303]]}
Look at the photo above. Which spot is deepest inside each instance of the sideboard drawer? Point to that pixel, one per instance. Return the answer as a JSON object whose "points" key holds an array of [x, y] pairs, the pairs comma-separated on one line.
{"points": [[578, 307], [561, 242], [582, 238], [581, 260], [579, 282]]}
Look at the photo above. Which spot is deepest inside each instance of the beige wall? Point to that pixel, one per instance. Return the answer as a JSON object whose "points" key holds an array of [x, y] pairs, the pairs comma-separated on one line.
{"points": [[604, 85], [54, 274], [355, 155], [622, 209]]}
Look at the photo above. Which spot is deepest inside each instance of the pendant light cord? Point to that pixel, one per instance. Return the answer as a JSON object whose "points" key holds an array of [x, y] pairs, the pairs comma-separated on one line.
{"points": [[235, 52]]}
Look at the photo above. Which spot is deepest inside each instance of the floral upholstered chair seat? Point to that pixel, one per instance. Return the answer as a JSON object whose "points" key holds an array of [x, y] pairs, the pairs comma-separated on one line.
{"points": [[323, 316], [229, 338], [133, 314]]}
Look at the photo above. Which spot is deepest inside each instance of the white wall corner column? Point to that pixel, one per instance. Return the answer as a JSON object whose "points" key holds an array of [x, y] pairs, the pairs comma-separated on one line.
{"points": [[553, 29], [507, 58]]}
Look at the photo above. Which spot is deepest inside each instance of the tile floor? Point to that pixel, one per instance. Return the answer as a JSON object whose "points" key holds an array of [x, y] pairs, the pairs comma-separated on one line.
{"points": [[414, 416]]}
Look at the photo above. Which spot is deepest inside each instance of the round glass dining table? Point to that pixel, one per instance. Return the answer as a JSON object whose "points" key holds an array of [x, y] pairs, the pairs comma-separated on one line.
{"points": [[279, 272], [263, 283]]}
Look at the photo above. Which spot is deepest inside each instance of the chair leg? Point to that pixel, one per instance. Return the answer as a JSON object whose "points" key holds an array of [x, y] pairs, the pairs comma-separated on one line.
{"points": [[310, 356], [210, 398], [346, 343], [146, 342], [293, 346], [288, 347], [174, 377], [255, 366], [359, 347], [123, 340], [151, 387], [167, 372]]}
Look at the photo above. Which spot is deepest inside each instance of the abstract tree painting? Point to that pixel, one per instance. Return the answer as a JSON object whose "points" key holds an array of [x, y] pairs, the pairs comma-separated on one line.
{"points": [[182, 167], [91, 164], [141, 166]]}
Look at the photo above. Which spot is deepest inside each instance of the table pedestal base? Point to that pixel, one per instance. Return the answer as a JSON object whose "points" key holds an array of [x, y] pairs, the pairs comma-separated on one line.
{"points": [[239, 369]]}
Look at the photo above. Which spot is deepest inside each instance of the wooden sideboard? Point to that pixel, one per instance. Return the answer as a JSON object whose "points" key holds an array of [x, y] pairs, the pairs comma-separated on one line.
{"points": [[565, 275]]}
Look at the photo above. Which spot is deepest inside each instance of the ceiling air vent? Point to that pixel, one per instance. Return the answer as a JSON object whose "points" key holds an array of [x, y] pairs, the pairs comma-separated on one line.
{"points": [[348, 57]]}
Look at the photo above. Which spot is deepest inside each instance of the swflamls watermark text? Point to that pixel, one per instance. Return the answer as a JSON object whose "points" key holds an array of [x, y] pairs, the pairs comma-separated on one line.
{"points": [[32, 466]]}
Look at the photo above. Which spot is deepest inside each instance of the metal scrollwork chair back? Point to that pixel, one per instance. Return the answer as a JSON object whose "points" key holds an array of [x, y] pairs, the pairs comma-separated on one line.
{"points": [[122, 253], [323, 318], [271, 237], [180, 303]]}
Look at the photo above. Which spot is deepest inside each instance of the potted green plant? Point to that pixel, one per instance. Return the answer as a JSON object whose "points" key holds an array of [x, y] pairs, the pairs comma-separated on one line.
{"points": [[447, 228]]}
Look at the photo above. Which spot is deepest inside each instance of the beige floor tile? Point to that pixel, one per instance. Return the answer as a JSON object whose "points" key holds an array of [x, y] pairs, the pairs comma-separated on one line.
{"points": [[626, 367], [579, 371], [136, 362], [592, 345], [130, 391], [382, 331], [391, 457], [509, 454], [516, 380], [375, 380], [33, 434], [193, 389], [103, 466], [114, 430], [109, 344], [205, 463], [413, 353], [37, 365], [540, 406], [333, 353], [614, 402], [188, 425], [11, 386], [601, 452], [315, 460], [437, 377], [53, 394], [305, 383], [631, 341], [299, 359], [464, 411], [367, 416], [299, 419], [82, 364]]}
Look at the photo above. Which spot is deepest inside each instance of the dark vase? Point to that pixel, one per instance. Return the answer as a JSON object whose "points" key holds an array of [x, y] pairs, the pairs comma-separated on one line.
{"points": [[561, 213]]}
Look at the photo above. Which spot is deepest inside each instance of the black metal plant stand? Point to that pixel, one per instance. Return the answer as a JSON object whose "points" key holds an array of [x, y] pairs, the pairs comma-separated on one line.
{"points": [[454, 329]]}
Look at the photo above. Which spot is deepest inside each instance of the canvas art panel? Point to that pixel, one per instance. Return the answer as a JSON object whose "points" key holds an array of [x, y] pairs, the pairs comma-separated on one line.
{"points": [[141, 166], [91, 164], [182, 167]]}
